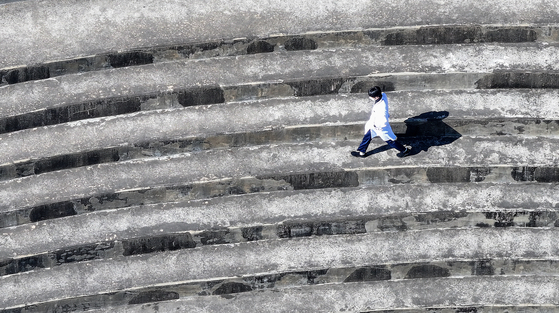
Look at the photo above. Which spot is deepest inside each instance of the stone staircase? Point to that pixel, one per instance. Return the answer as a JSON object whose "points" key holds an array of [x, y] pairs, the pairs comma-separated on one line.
{"points": [[195, 157]]}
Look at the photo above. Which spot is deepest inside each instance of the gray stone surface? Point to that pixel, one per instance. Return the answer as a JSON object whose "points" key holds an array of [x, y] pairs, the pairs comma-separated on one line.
{"points": [[433, 34], [456, 225], [421, 135], [521, 294], [264, 160], [277, 256], [462, 107], [229, 288], [69, 29], [381, 208], [273, 68], [367, 177]]}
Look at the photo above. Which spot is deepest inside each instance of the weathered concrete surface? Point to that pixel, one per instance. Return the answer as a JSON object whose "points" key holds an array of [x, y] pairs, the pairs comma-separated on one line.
{"points": [[420, 134], [452, 295], [550, 308], [103, 27], [264, 160], [50, 26], [273, 67], [229, 288], [269, 257], [436, 34], [311, 87], [382, 208], [446, 174], [217, 95], [463, 108], [366, 177]]}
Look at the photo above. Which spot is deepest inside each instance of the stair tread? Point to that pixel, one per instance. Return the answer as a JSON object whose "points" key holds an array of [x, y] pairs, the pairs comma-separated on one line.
{"points": [[273, 68], [255, 210], [253, 116], [142, 23], [500, 294], [277, 256], [269, 160]]}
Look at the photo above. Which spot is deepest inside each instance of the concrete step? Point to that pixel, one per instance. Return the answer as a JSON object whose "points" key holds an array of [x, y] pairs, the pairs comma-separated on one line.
{"points": [[180, 192], [264, 216], [482, 309], [269, 257], [88, 109], [141, 24], [476, 294], [419, 35], [299, 73], [387, 274], [162, 132], [273, 161], [420, 134]]}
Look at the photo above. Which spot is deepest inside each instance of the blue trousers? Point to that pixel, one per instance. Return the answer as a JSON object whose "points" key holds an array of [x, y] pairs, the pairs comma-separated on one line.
{"points": [[367, 140]]}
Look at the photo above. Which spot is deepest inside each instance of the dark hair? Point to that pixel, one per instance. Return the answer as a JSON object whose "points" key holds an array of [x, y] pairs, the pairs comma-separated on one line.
{"points": [[375, 92]]}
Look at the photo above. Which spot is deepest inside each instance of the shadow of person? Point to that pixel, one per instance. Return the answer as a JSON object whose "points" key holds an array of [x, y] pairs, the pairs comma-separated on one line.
{"points": [[427, 130], [422, 132]]}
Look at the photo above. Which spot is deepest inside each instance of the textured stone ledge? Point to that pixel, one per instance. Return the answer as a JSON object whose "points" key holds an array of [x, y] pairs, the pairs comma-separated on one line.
{"points": [[299, 88], [442, 295], [271, 215], [299, 73], [497, 308], [287, 229], [127, 27], [229, 288], [270, 161], [274, 257], [446, 34], [332, 117], [413, 132], [300, 181]]}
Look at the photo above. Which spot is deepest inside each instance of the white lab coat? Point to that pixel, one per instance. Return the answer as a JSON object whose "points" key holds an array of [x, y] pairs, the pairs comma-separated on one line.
{"points": [[378, 122]]}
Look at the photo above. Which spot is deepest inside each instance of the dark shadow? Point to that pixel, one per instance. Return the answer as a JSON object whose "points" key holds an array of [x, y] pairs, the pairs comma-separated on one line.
{"points": [[427, 130], [422, 132], [374, 151]]}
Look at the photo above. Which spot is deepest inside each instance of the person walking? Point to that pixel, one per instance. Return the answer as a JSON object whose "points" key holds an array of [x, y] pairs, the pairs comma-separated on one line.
{"points": [[378, 125]]}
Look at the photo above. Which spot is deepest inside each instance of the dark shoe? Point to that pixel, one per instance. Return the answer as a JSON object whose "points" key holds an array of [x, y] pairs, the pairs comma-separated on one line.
{"points": [[358, 154], [404, 153]]}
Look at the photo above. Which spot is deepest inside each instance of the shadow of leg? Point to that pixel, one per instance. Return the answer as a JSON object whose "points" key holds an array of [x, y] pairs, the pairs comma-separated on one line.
{"points": [[378, 150]]}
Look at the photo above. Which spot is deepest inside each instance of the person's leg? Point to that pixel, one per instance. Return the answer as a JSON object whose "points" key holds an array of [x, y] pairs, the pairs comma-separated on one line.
{"points": [[396, 145], [365, 142]]}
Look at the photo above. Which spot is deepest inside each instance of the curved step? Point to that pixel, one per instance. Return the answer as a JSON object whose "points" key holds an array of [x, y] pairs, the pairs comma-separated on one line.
{"points": [[131, 26], [129, 85], [230, 288], [299, 88], [378, 177], [518, 112], [295, 213], [432, 34], [422, 135], [472, 294], [267, 161], [269, 257]]}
